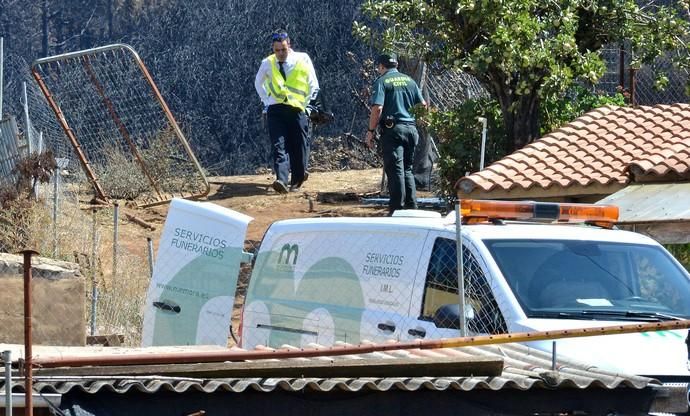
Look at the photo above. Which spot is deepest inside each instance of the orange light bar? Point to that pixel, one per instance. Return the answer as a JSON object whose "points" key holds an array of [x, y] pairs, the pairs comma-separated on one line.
{"points": [[553, 211]]}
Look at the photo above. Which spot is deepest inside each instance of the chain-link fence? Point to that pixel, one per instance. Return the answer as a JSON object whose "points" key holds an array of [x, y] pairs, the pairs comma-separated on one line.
{"points": [[408, 295], [660, 83], [10, 150], [27, 106], [359, 281], [657, 83], [90, 283], [367, 283], [448, 87], [129, 145], [27, 103]]}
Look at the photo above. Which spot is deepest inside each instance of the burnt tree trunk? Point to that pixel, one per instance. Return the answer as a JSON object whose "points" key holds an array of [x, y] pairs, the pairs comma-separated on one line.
{"points": [[45, 18]]}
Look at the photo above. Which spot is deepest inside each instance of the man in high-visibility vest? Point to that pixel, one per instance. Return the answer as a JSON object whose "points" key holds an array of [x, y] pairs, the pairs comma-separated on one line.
{"points": [[286, 83]]}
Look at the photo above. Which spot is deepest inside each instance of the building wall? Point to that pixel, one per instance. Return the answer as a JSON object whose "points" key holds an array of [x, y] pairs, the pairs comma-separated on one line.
{"points": [[58, 302]]}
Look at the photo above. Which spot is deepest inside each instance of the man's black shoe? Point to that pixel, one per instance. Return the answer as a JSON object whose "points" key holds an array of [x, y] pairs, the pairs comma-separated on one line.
{"points": [[280, 187], [295, 188]]}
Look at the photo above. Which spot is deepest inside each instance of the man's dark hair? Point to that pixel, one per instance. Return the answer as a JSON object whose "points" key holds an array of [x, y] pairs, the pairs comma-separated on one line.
{"points": [[279, 35], [388, 60]]}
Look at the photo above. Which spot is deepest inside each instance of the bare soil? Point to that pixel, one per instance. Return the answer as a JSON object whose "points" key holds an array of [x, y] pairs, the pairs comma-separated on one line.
{"points": [[253, 195]]}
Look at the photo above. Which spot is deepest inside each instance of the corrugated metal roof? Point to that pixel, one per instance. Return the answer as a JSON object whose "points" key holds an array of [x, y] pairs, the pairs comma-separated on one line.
{"points": [[643, 203], [524, 368]]}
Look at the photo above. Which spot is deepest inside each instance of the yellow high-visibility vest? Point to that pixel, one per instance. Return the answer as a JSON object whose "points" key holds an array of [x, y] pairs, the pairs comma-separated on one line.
{"points": [[292, 91]]}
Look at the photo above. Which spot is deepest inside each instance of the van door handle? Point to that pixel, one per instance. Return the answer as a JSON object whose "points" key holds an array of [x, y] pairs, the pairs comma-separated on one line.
{"points": [[386, 327], [417, 332]]}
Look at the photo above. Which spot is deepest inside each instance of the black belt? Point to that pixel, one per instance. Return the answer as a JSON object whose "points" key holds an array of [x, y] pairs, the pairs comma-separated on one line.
{"points": [[281, 106], [387, 123]]}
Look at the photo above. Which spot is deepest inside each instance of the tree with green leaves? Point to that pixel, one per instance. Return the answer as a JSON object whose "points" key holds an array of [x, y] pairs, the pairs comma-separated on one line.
{"points": [[526, 52]]}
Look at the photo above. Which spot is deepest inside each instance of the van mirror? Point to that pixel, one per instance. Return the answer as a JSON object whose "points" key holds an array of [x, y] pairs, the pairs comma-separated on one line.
{"points": [[448, 316]]}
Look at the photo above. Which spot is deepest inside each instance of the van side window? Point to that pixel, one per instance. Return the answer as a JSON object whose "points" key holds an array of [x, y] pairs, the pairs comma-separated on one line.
{"points": [[441, 291]]}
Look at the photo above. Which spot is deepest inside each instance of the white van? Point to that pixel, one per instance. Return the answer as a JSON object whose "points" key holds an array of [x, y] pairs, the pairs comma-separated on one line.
{"points": [[374, 279]]}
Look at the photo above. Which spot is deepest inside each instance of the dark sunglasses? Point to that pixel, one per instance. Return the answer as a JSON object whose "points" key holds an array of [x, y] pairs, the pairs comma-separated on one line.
{"points": [[279, 36]]}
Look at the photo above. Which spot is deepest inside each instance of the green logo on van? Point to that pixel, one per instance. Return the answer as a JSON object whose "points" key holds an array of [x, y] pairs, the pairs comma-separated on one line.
{"points": [[288, 250], [330, 285]]}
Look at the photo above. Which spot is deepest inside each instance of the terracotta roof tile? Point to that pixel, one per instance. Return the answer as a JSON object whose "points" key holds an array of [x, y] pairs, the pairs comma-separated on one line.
{"points": [[598, 147]]}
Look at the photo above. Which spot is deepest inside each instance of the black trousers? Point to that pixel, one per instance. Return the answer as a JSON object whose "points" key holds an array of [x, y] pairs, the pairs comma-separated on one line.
{"points": [[398, 145], [288, 128]]}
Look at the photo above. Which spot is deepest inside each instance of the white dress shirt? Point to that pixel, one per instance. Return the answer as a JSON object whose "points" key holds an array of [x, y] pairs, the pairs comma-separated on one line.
{"points": [[293, 57]]}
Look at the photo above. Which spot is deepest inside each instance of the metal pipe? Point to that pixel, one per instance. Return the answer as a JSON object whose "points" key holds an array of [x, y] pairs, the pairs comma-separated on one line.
{"points": [[269, 353], [28, 376], [116, 219], [483, 148], [42, 400], [460, 268], [83, 52], [171, 120], [7, 359], [149, 244], [553, 356], [69, 133], [94, 287]]}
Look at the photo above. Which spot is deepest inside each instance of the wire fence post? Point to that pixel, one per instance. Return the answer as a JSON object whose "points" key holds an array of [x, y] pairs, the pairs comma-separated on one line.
{"points": [[483, 121], [150, 255], [460, 271], [26, 120], [94, 287], [116, 217], [7, 359], [56, 188]]}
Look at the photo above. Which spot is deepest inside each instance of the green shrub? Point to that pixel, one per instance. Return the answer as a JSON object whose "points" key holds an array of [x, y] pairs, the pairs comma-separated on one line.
{"points": [[559, 110], [459, 133]]}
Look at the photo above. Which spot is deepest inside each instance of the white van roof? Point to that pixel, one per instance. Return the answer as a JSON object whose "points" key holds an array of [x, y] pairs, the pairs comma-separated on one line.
{"points": [[507, 230], [346, 223], [555, 232]]}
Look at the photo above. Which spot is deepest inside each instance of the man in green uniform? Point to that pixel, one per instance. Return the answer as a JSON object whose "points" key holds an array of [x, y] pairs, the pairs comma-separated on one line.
{"points": [[394, 95]]}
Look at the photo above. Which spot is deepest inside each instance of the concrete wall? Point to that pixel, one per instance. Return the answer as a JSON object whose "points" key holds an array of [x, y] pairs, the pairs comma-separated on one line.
{"points": [[58, 316]]}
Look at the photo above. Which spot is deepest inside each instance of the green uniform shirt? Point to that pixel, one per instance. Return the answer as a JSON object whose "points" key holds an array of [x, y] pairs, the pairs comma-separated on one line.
{"points": [[397, 93]]}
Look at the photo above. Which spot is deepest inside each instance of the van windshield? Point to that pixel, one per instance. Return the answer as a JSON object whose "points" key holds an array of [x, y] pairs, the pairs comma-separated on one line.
{"points": [[593, 280]]}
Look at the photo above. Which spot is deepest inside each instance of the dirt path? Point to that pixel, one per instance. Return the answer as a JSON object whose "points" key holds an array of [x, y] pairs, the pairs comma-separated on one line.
{"points": [[252, 195]]}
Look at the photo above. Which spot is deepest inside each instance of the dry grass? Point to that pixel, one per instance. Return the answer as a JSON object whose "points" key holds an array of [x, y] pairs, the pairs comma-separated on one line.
{"points": [[29, 224], [121, 294]]}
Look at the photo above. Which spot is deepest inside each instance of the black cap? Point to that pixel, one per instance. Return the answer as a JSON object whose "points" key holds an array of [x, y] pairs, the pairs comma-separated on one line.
{"points": [[387, 59]]}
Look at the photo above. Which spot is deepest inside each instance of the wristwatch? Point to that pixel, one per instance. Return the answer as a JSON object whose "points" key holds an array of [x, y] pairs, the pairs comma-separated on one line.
{"points": [[371, 130]]}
